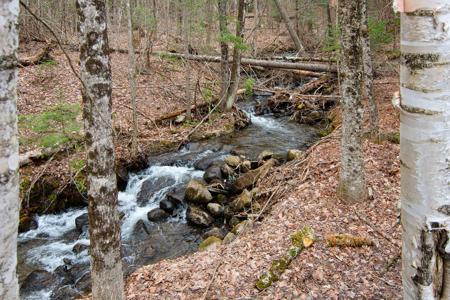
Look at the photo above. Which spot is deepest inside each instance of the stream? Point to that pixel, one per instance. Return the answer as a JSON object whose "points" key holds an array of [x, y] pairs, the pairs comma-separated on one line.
{"points": [[57, 251]]}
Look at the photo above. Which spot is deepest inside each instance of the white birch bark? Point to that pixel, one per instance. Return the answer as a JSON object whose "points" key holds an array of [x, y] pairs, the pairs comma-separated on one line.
{"points": [[104, 225], [9, 149], [425, 148], [352, 186]]}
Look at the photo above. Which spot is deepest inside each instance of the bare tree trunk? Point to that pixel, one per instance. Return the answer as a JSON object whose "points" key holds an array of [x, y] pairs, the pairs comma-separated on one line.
{"points": [[425, 150], [209, 21], [104, 224], [368, 72], [236, 67], [9, 149], [289, 26], [224, 64], [132, 81], [256, 27], [352, 186], [187, 41]]}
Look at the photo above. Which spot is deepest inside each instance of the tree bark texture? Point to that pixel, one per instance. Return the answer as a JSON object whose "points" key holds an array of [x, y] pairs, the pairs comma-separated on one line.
{"points": [[104, 225], [352, 187], [9, 149], [368, 71], [236, 67], [187, 47], [425, 149], [290, 28], [224, 64]]}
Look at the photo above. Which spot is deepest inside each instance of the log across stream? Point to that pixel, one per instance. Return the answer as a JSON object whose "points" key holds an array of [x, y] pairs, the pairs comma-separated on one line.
{"points": [[54, 257]]}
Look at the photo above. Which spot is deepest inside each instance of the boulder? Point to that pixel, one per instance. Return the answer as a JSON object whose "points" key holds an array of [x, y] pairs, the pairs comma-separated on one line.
{"points": [[157, 215], [210, 243], [246, 166], [215, 209], [205, 162], [81, 222], [227, 171], [196, 192], [150, 187], [79, 247], [37, 280], [228, 238], [240, 227], [140, 230], [265, 155], [65, 292], [84, 282], [249, 179], [215, 231], [27, 223], [294, 154], [233, 161], [242, 201], [198, 216], [213, 174]]}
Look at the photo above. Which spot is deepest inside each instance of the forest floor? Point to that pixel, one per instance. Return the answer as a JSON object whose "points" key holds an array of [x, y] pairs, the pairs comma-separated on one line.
{"points": [[305, 195]]}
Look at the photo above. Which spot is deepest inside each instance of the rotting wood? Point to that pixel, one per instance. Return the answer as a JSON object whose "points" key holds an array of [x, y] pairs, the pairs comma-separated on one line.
{"points": [[275, 64], [41, 56]]}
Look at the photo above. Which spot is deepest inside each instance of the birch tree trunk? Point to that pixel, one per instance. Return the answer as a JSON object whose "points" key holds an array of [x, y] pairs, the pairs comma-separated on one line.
{"points": [[132, 80], [224, 64], [425, 149], [352, 187], [9, 149], [236, 67], [368, 71], [290, 28], [104, 225]]}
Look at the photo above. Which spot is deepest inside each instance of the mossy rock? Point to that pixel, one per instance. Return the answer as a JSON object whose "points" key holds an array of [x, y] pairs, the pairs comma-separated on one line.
{"points": [[209, 243], [197, 192], [294, 154], [242, 201], [233, 161], [239, 228]]}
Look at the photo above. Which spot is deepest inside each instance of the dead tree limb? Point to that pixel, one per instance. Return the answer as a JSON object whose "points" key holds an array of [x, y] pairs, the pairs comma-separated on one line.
{"points": [[41, 56]]}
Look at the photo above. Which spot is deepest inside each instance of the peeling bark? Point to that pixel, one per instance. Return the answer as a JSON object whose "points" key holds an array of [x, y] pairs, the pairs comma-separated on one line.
{"points": [[9, 149], [352, 186], [104, 225], [425, 150]]}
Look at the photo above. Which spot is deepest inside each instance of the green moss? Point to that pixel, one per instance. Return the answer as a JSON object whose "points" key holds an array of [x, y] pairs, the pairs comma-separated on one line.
{"points": [[264, 281], [302, 238], [393, 137], [208, 242]]}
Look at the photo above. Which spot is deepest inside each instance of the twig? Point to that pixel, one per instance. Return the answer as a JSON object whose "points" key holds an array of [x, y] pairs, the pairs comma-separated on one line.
{"points": [[37, 178], [212, 280]]}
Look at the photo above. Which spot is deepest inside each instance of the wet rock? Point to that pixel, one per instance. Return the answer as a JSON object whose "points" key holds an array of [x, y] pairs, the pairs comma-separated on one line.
{"points": [[265, 155], [246, 166], [37, 280], [242, 201], [215, 209], [198, 216], [167, 205], [249, 179], [213, 173], [121, 177], [84, 282], [141, 230], [294, 154], [150, 187], [27, 223], [65, 292], [240, 227], [204, 163], [176, 196], [234, 221], [79, 247], [227, 171], [82, 222], [215, 231], [228, 238], [210, 243], [157, 215], [196, 192], [233, 161]]}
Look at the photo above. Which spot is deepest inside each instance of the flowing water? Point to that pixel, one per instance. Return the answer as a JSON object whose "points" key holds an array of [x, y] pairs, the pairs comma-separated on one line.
{"points": [[51, 245]]}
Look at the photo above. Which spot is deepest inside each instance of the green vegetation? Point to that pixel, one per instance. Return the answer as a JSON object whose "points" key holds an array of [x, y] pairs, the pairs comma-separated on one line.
{"points": [[54, 127], [249, 84], [378, 32], [237, 41]]}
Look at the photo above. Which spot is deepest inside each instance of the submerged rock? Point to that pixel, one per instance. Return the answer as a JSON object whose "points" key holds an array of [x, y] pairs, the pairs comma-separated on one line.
{"points": [[157, 215], [79, 247], [215, 209], [294, 154], [150, 187], [65, 292], [37, 280], [198, 193], [198, 216], [210, 243]]}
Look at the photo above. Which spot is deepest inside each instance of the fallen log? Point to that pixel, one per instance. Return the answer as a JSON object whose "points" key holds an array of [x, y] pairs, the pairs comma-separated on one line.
{"points": [[303, 58], [274, 64], [39, 57]]}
